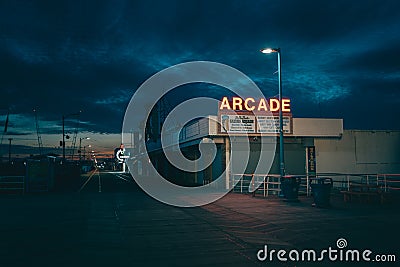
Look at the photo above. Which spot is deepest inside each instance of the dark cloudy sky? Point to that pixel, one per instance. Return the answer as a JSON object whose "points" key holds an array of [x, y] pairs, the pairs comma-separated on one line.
{"points": [[339, 58]]}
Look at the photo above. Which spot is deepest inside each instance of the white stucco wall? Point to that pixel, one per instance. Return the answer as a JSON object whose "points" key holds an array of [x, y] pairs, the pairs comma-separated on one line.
{"points": [[359, 152]]}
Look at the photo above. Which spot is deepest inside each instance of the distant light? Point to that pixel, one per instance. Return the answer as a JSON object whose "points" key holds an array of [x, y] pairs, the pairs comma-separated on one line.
{"points": [[269, 50]]}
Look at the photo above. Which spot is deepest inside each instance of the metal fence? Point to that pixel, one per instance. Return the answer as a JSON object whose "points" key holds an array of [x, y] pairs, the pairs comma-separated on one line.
{"points": [[12, 184], [269, 184]]}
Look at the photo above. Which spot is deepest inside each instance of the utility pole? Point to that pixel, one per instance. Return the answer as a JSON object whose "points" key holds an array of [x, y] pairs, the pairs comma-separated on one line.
{"points": [[40, 144], [63, 130], [9, 150], [63, 135]]}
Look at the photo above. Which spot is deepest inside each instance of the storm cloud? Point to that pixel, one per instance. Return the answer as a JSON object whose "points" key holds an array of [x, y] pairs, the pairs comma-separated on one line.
{"points": [[62, 57]]}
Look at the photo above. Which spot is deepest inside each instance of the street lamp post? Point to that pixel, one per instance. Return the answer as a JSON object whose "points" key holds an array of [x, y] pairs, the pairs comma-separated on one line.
{"points": [[80, 146], [93, 156], [84, 151], [281, 141]]}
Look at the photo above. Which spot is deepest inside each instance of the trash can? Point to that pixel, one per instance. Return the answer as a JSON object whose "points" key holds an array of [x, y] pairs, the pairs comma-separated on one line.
{"points": [[321, 190], [290, 187]]}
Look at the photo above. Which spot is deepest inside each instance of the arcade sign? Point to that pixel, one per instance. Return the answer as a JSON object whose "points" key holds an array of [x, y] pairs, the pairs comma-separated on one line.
{"points": [[250, 104], [244, 116]]}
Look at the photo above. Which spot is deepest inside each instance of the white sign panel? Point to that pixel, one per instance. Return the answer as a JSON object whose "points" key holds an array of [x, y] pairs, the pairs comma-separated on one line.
{"points": [[121, 156], [238, 124], [270, 124]]}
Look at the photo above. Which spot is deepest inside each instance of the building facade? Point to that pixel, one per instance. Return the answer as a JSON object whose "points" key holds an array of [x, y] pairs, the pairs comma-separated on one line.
{"points": [[313, 146]]}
